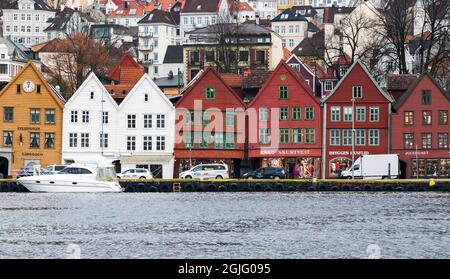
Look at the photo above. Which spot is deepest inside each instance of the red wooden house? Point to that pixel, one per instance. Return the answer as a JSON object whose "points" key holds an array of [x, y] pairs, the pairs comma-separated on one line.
{"points": [[420, 129], [210, 124], [284, 124], [368, 114]]}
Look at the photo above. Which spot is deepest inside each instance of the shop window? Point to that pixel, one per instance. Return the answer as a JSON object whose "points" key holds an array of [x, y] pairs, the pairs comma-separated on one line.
{"points": [[337, 165]]}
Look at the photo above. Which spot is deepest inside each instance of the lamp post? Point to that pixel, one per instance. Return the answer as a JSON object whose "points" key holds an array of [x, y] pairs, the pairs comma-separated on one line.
{"points": [[353, 137], [417, 164], [102, 135]]}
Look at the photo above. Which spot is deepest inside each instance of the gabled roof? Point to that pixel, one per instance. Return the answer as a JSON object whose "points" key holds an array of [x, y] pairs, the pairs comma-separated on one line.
{"points": [[218, 77], [201, 6], [243, 6], [55, 95], [292, 14], [330, 12], [296, 74], [127, 61], [59, 23], [348, 73], [155, 88], [405, 95], [133, 9], [314, 46], [159, 16], [299, 61], [80, 89], [38, 5], [174, 54]]}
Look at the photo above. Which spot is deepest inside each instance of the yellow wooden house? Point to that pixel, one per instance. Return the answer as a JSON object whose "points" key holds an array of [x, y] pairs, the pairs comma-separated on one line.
{"points": [[30, 122]]}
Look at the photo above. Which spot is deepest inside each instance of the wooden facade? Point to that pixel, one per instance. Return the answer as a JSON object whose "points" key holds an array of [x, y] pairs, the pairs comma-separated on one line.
{"points": [[31, 122]]}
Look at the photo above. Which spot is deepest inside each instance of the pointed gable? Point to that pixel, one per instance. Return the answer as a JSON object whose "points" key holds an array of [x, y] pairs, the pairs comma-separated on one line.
{"points": [[126, 65], [225, 96], [292, 78], [357, 75]]}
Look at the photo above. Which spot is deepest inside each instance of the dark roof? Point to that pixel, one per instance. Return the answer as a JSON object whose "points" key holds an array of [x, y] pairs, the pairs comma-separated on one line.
{"points": [[200, 6], [159, 16], [292, 14], [313, 46], [330, 12], [169, 82], [312, 27], [405, 95], [400, 82], [262, 22], [255, 78], [61, 19], [38, 5], [174, 54], [244, 29]]}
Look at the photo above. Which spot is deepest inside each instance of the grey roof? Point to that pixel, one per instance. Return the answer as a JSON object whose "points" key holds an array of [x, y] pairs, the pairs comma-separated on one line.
{"points": [[59, 23], [292, 14], [174, 54], [169, 82], [159, 16], [244, 29], [15, 50], [312, 27], [38, 5]]}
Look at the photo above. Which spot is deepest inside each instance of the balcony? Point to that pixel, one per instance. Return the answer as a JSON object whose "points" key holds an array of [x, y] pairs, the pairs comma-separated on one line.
{"points": [[146, 34], [146, 61], [145, 47]]}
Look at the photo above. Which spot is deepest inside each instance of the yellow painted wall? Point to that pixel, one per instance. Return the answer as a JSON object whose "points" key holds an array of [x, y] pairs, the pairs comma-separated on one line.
{"points": [[21, 124]]}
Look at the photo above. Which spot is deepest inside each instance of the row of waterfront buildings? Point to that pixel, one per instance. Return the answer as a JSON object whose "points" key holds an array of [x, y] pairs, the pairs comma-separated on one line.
{"points": [[284, 122]]}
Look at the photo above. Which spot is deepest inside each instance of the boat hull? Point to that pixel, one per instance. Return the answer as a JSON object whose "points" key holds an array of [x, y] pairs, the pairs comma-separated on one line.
{"points": [[41, 184]]}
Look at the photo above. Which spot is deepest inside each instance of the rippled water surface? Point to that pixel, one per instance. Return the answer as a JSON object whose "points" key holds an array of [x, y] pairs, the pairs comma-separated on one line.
{"points": [[225, 225]]}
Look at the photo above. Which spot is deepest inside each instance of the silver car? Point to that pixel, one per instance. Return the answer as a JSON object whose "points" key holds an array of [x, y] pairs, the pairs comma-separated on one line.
{"points": [[206, 171]]}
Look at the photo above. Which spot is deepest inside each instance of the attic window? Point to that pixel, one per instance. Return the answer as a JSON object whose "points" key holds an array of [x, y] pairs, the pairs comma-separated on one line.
{"points": [[132, 11]]}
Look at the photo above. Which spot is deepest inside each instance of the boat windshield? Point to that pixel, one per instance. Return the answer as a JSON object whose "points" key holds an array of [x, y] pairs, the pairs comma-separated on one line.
{"points": [[106, 174]]}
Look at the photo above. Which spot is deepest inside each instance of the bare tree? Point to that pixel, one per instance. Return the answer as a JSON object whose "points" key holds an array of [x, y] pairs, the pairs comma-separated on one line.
{"points": [[56, 4]]}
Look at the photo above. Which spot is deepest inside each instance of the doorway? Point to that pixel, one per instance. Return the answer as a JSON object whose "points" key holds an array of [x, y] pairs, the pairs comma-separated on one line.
{"points": [[4, 167]]}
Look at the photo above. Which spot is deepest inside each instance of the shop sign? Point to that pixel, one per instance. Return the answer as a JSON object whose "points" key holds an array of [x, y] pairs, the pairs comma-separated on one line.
{"points": [[32, 154], [289, 152], [28, 128], [409, 153], [347, 153]]}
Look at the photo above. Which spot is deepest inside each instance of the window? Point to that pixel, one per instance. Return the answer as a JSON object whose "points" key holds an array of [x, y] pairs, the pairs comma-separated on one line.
{"points": [[218, 140], [264, 136], [147, 141], [408, 141], [84, 139], [360, 114], [103, 140], [335, 137], [7, 138], [348, 114], [263, 114], [188, 139], [49, 140], [374, 114], [284, 113], [147, 121], [210, 56], [347, 137], [73, 140], [35, 115], [297, 135], [283, 92], [426, 97], [426, 140], [426, 117], [85, 116], [230, 140], [357, 92], [160, 121], [92, 95], [8, 114], [284, 135], [74, 116], [328, 85], [374, 137], [408, 118], [189, 118], [49, 116], [335, 114], [131, 143], [37, 17], [243, 56], [210, 93], [105, 117], [34, 140], [131, 120], [18, 88], [38, 89], [230, 118], [443, 117], [310, 136], [296, 113], [309, 113], [160, 143], [203, 139], [360, 137], [442, 140], [206, 119]]}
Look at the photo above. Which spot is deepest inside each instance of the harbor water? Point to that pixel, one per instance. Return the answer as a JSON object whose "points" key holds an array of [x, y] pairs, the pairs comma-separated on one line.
{"points": [[225, 225]]}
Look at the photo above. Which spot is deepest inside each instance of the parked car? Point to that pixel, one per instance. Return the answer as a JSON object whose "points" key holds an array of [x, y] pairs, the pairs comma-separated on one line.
{"points": [[28, 171], [139, 173], [206, 171], [266, 173], [55, 168]]}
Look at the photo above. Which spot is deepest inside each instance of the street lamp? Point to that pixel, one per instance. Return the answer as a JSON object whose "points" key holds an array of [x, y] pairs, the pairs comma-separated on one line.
{"points": [[103, 120], [353, 137], [417, 164]]}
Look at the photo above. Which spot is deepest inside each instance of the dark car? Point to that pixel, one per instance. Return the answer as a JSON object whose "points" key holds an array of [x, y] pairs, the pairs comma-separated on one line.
{"points": [[265, 173], [29, 172]]}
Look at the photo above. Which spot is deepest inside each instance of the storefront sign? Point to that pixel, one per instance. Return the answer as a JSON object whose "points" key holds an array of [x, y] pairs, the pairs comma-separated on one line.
{"points": [[31, 154], [286, 153], [416, 153], [347, 153], [28, 128]]}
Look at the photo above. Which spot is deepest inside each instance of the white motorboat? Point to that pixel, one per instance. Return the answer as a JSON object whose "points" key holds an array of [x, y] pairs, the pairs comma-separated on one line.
{"points": [[81, 178]]}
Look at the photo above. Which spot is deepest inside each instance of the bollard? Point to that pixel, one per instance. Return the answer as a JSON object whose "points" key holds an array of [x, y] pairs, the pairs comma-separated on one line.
{"points": [[432, 182]]}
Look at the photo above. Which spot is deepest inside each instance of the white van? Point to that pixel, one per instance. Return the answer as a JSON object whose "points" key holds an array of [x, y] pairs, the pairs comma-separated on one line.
{"points": [[380, 166], [206, 171]]}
